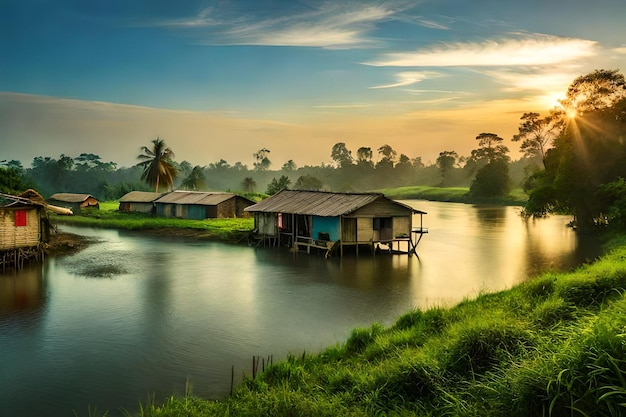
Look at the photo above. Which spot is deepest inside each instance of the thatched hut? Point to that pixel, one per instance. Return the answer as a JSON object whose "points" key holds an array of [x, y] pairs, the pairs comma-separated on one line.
{"points": [[24, 227], [75, 202]]}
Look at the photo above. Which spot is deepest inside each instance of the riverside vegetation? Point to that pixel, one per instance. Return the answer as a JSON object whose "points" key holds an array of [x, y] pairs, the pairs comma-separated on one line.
{"points": [[553, 346]]}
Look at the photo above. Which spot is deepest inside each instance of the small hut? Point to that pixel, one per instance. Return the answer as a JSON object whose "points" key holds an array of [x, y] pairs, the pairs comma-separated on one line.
{"points": [[199, 205], [75, 202], [325, 220], [24, 227], [139, 201]]}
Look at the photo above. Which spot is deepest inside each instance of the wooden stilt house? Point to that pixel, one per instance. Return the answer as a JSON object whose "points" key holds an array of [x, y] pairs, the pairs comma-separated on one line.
{"points": [[337, 221], [24, 227]]}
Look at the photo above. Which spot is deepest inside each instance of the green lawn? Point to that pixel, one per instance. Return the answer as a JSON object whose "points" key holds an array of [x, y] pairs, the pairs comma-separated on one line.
{"points": [[517, 197], [108, 216]]}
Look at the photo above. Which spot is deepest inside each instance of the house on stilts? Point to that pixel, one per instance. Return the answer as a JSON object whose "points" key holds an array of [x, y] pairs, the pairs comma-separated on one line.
{"points": [[24, 228], [335, 222]]}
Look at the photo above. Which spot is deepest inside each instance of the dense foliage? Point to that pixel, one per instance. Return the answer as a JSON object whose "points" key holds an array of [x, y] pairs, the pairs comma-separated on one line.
{"points": [[585, 168]]}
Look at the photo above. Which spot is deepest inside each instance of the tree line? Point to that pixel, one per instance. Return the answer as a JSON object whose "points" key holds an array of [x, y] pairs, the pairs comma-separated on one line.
{"points": [[574, 161]]}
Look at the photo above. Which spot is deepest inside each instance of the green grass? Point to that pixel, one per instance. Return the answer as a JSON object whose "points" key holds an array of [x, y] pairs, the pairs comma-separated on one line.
{"points": [[108, 216], [517, 197], [553, 346]]}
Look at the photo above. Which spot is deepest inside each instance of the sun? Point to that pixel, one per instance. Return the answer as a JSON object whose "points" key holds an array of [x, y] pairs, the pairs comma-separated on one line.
{"points": [[571, 113]]}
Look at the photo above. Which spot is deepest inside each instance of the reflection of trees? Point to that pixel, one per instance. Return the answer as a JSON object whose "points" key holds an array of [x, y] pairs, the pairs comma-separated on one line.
{"points": [[491, 216]]}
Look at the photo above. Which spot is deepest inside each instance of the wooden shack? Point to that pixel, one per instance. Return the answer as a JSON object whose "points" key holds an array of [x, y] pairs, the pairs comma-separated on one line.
{"points": [[198, 205], [75, 202], [331, 221], [24, 227], [139, 201]]}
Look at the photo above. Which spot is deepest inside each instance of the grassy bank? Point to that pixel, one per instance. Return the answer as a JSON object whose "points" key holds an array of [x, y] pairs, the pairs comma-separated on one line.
{"points": [[517, 197], [228, 230], [553, 346]]}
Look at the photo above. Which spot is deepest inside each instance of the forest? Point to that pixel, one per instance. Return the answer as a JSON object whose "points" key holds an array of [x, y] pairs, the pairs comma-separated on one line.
{"points": [[573, 162]]}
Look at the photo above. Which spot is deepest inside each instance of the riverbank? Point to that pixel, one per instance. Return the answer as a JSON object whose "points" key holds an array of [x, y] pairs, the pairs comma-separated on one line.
{"points": [[232, 230], [517, 197], [551, 346]]}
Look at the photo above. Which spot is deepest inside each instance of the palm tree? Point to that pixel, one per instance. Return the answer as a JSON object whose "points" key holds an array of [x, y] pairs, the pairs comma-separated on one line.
{"points": [[156, 163]]}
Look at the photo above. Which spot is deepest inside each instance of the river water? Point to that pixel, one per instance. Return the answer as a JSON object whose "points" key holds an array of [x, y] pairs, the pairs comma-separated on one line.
{"points": [[133, 316]]}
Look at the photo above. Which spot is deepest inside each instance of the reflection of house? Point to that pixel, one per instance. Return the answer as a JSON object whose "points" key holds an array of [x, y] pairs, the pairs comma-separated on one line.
{"points": [[23, 228], [316, 219], [198, 205], [76, 202], [139, 201]]}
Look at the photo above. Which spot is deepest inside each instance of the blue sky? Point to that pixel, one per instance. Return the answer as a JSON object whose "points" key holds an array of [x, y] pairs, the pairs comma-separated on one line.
{"points": [[223, 79]]}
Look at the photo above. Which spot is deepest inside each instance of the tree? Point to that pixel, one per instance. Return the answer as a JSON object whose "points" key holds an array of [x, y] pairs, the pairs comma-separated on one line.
{"points": [[492, 178], [364, 155], [248, 184], [445, 162], [341, 155], [595, 91], [278, 185], [388, 156], [262, 162], [308, 182], [536, 133], [289, 166], [195, 180], [157, 165]]}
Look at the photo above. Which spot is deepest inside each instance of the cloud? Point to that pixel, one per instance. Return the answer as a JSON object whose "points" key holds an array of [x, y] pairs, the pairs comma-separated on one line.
{"points": [[409, 78], [534, 50], [328, 25]]}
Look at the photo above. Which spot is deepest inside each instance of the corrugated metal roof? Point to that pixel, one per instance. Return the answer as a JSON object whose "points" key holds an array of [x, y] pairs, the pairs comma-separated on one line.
{"points": [[70, 198], [140, 197], [316, 203], [195, 197]]}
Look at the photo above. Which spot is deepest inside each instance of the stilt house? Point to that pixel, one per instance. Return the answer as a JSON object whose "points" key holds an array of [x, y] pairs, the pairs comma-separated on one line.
{"points": [[198, 205], [75, 202], [24, 227], [139, 201], [331, 221]]}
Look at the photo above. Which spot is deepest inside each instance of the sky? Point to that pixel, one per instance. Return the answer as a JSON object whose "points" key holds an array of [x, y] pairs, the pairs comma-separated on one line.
{"points": [[221, 79]]}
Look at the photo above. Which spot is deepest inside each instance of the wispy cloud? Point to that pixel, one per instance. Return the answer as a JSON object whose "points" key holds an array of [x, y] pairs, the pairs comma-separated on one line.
{"points": [[327, 25], [410, 77], [530, 50]]}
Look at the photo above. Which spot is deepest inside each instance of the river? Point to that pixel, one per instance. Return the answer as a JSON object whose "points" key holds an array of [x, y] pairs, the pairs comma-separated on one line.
{"points": [[134, 315]]}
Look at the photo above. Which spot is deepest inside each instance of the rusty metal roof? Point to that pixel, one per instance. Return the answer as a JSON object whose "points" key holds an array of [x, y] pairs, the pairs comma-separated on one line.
{"points": [[196, 197], [140, 197], [317, 203]]}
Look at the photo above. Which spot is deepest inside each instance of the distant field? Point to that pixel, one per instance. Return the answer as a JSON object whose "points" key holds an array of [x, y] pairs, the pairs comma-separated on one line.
{"points": [[453, 194]]}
